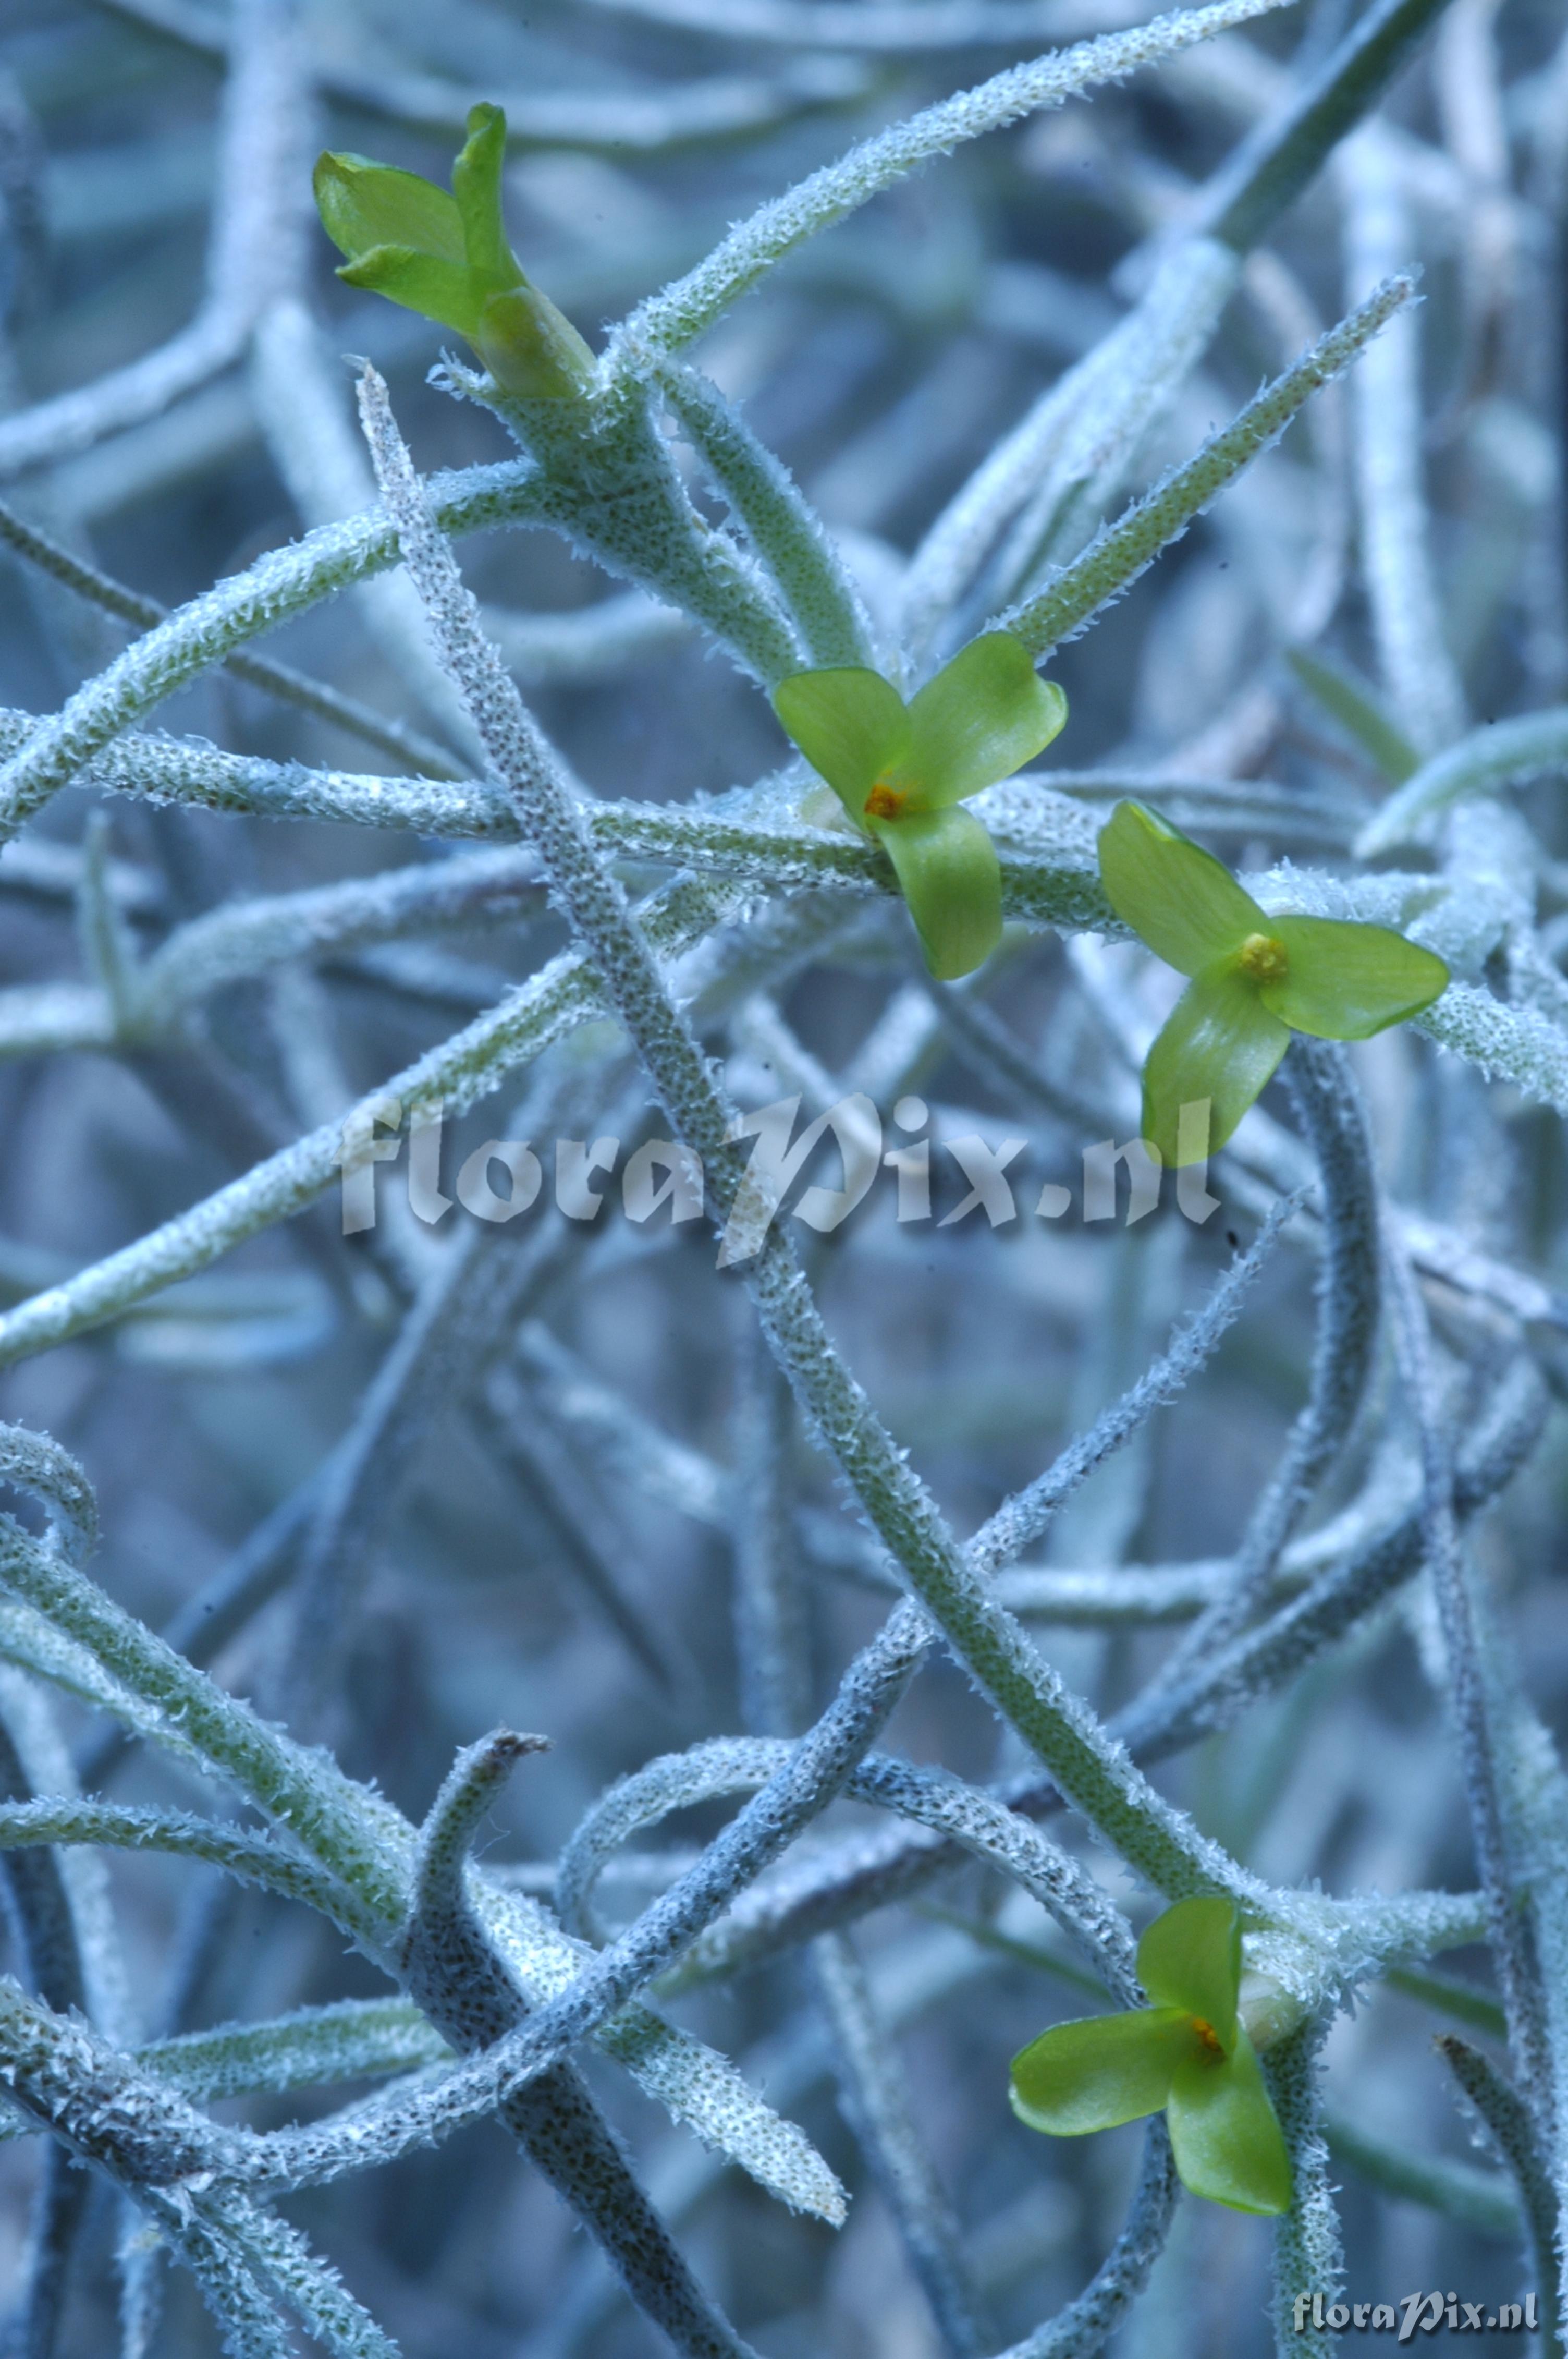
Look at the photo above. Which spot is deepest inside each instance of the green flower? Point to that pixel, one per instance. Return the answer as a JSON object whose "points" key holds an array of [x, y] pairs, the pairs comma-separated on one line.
{"points": [[448, 257], [1256, 980], [1188, 2053], [900, 769]]}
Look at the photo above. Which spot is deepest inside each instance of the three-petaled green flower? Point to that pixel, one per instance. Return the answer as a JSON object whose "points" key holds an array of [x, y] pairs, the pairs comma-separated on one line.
{"points": [[448, 257], [900, 770], [1256, 980], [1188, 2053]]}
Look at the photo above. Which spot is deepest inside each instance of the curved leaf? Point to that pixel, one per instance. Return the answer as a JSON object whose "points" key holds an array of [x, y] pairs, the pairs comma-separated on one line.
{"points": [[1191, 1957], [363, 204], [983, 716], [443, 292], [1220, 1043], [1175, 896], [1101, 2070], [850, 723], [1227, 2143], [1347, 981], [951, 877]]}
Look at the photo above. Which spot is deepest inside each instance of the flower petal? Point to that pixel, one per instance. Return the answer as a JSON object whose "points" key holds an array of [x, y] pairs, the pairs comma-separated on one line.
{"points": [[1219, 1044], [1227, 2140], [1102, 2070], [1191, 1957], [983, 716], [364, 204], [444, 291], [948, 867], [1175, 896], [1346, 981], [850, 725], [476, 188]]}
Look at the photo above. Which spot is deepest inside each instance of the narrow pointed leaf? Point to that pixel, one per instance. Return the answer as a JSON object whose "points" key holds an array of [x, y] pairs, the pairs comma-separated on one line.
{"points": [[1345, 982], [1175, 896], [1220, 1043], [1102, 2070], [444, 291], [1227, 2141], [948, 867], [983, 716], [476, 188], [364, 204], [1191, 1957], [1358, 714], [850, 725]]}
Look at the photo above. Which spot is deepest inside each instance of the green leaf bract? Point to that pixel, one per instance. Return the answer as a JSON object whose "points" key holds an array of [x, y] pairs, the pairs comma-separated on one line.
{"points": [[1255, 979], [899, 770], [1188, 2055]]}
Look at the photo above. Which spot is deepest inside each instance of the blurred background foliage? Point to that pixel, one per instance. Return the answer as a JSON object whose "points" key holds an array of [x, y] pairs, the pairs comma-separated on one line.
{"points": [[506, 1566]]}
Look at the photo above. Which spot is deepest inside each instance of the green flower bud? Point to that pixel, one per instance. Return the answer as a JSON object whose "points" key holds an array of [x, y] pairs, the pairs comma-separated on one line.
{"points": [[448, 257], [531, 349]]}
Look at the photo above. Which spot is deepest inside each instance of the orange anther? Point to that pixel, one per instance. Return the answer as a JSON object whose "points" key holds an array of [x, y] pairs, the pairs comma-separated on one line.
{"points": [[884, 802], [1207, 2034]]}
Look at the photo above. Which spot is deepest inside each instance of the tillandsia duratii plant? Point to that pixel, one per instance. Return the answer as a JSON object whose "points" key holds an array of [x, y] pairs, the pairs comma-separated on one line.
{"points": [[899, 770], [468, 957]]}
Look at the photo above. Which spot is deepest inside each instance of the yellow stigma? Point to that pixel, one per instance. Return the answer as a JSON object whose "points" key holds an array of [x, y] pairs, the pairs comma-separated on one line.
{"points": [[1206, 2031], [1264, 959], [884, 802]]}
